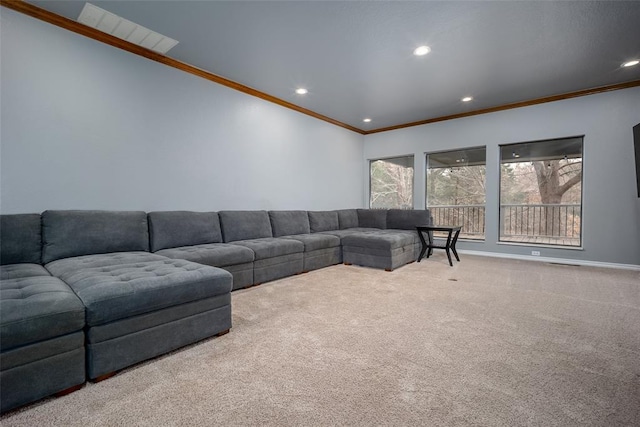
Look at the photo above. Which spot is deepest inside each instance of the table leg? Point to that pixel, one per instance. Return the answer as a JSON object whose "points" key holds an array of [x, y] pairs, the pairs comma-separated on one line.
{"points": [[424, 246], [447, 247], [453, 245], [422, 251]]}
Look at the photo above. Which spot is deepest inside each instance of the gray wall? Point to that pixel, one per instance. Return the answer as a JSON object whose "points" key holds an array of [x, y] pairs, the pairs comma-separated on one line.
{"points": [[88, 126], [611, 209]]}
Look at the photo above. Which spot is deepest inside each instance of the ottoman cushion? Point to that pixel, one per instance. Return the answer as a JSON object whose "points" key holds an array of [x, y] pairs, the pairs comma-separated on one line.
{"points": [[349, 231], [413, 234], [117, 286], [375, 240]]}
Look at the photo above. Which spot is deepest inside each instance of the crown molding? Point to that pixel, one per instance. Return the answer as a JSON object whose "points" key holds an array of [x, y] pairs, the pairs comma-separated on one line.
{"points": [[511, 106]]}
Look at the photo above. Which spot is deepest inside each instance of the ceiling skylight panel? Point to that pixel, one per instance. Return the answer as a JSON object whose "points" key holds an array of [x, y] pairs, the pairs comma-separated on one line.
{"points": [[117, 26], [108, 22]]}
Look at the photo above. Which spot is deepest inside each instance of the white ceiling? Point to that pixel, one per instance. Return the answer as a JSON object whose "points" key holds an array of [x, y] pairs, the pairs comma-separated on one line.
{"points": [[355, 57]]}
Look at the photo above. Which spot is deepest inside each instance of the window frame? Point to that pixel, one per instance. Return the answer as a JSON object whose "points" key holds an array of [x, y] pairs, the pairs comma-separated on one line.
{"points": [[413, 182], [483, 238], [580, 246]]}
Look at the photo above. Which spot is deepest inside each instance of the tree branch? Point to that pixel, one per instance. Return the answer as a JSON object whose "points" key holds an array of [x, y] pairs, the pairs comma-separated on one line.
{"points": [[570, 183]]}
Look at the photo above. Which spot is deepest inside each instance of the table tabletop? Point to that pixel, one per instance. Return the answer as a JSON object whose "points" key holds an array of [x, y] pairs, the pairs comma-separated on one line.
{"points": [[439, 227]]}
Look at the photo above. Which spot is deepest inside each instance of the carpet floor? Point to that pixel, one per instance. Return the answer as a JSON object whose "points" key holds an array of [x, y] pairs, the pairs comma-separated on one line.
{"points": [[489, 341]]}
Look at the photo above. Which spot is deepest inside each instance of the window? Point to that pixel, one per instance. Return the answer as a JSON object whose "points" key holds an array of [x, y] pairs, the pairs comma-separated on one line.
{"points": [[456, 190], [391, 183], [541, 192]]}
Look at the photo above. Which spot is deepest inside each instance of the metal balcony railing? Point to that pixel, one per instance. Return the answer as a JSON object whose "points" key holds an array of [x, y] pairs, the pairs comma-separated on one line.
{"points": [[470, 217], [531, 223], [541, 223]]}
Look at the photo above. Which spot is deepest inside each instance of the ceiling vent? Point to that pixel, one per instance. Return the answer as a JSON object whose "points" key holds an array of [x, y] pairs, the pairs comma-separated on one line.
{"points": [[109, 23]]}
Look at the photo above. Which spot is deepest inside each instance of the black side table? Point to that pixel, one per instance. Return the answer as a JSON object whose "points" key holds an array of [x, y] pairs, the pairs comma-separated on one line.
{"points": [[428, 245]]}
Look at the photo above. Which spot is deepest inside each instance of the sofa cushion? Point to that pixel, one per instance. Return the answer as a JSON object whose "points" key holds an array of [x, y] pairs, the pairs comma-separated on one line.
{"points": [[75, 233], [272, 247], [347, 218], [17, 271], [214, 254], [244, 225], [21, 239], [407, 219], [314, 242], [118, 286], [33, 309], [323, 221], [374, 240], [375, 218], [287, 223], [173, 229]]}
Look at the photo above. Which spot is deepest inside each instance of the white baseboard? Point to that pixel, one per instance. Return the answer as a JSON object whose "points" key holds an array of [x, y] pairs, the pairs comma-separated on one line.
{"points": [[553, 260]]}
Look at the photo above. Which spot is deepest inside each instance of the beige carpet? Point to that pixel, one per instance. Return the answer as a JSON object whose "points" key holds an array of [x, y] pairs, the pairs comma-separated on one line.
{"points": [[487, 342]]}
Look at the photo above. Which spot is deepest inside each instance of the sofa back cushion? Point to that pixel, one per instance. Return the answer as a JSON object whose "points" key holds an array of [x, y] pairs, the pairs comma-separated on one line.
{"points": [[172, 229], [289, 223], [74, 233], [408, 219], [372, 218], [323, 221], [244, 225], [20, 239], [347, 218]]}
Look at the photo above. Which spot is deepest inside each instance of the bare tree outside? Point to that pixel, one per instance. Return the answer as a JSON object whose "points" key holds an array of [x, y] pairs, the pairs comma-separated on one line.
{"points": [[391, 183], [541, 192]]}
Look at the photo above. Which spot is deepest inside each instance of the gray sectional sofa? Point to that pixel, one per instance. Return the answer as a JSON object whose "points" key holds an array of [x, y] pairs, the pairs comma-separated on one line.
{"points": [[84, 294]]}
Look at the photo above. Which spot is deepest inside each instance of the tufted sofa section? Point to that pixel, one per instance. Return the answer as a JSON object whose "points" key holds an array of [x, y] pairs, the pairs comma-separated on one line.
{"points": [[275, 257], [138, 305], [319, 250], [41, 320], [197, 237]]}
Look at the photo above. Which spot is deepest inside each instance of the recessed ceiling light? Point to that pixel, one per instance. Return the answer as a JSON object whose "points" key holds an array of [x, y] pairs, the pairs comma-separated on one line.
{"points": [[367, 120], [421, 50], [631, 63], [467, 99], [301, 91]]}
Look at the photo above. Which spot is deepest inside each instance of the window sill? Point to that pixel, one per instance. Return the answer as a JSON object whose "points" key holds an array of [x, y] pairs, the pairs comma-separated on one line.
{"points": [[540, 245]]}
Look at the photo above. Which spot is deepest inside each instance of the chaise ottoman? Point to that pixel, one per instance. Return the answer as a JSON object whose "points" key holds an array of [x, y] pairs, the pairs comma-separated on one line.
{"points": [[378, 249], [138, 305]]}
